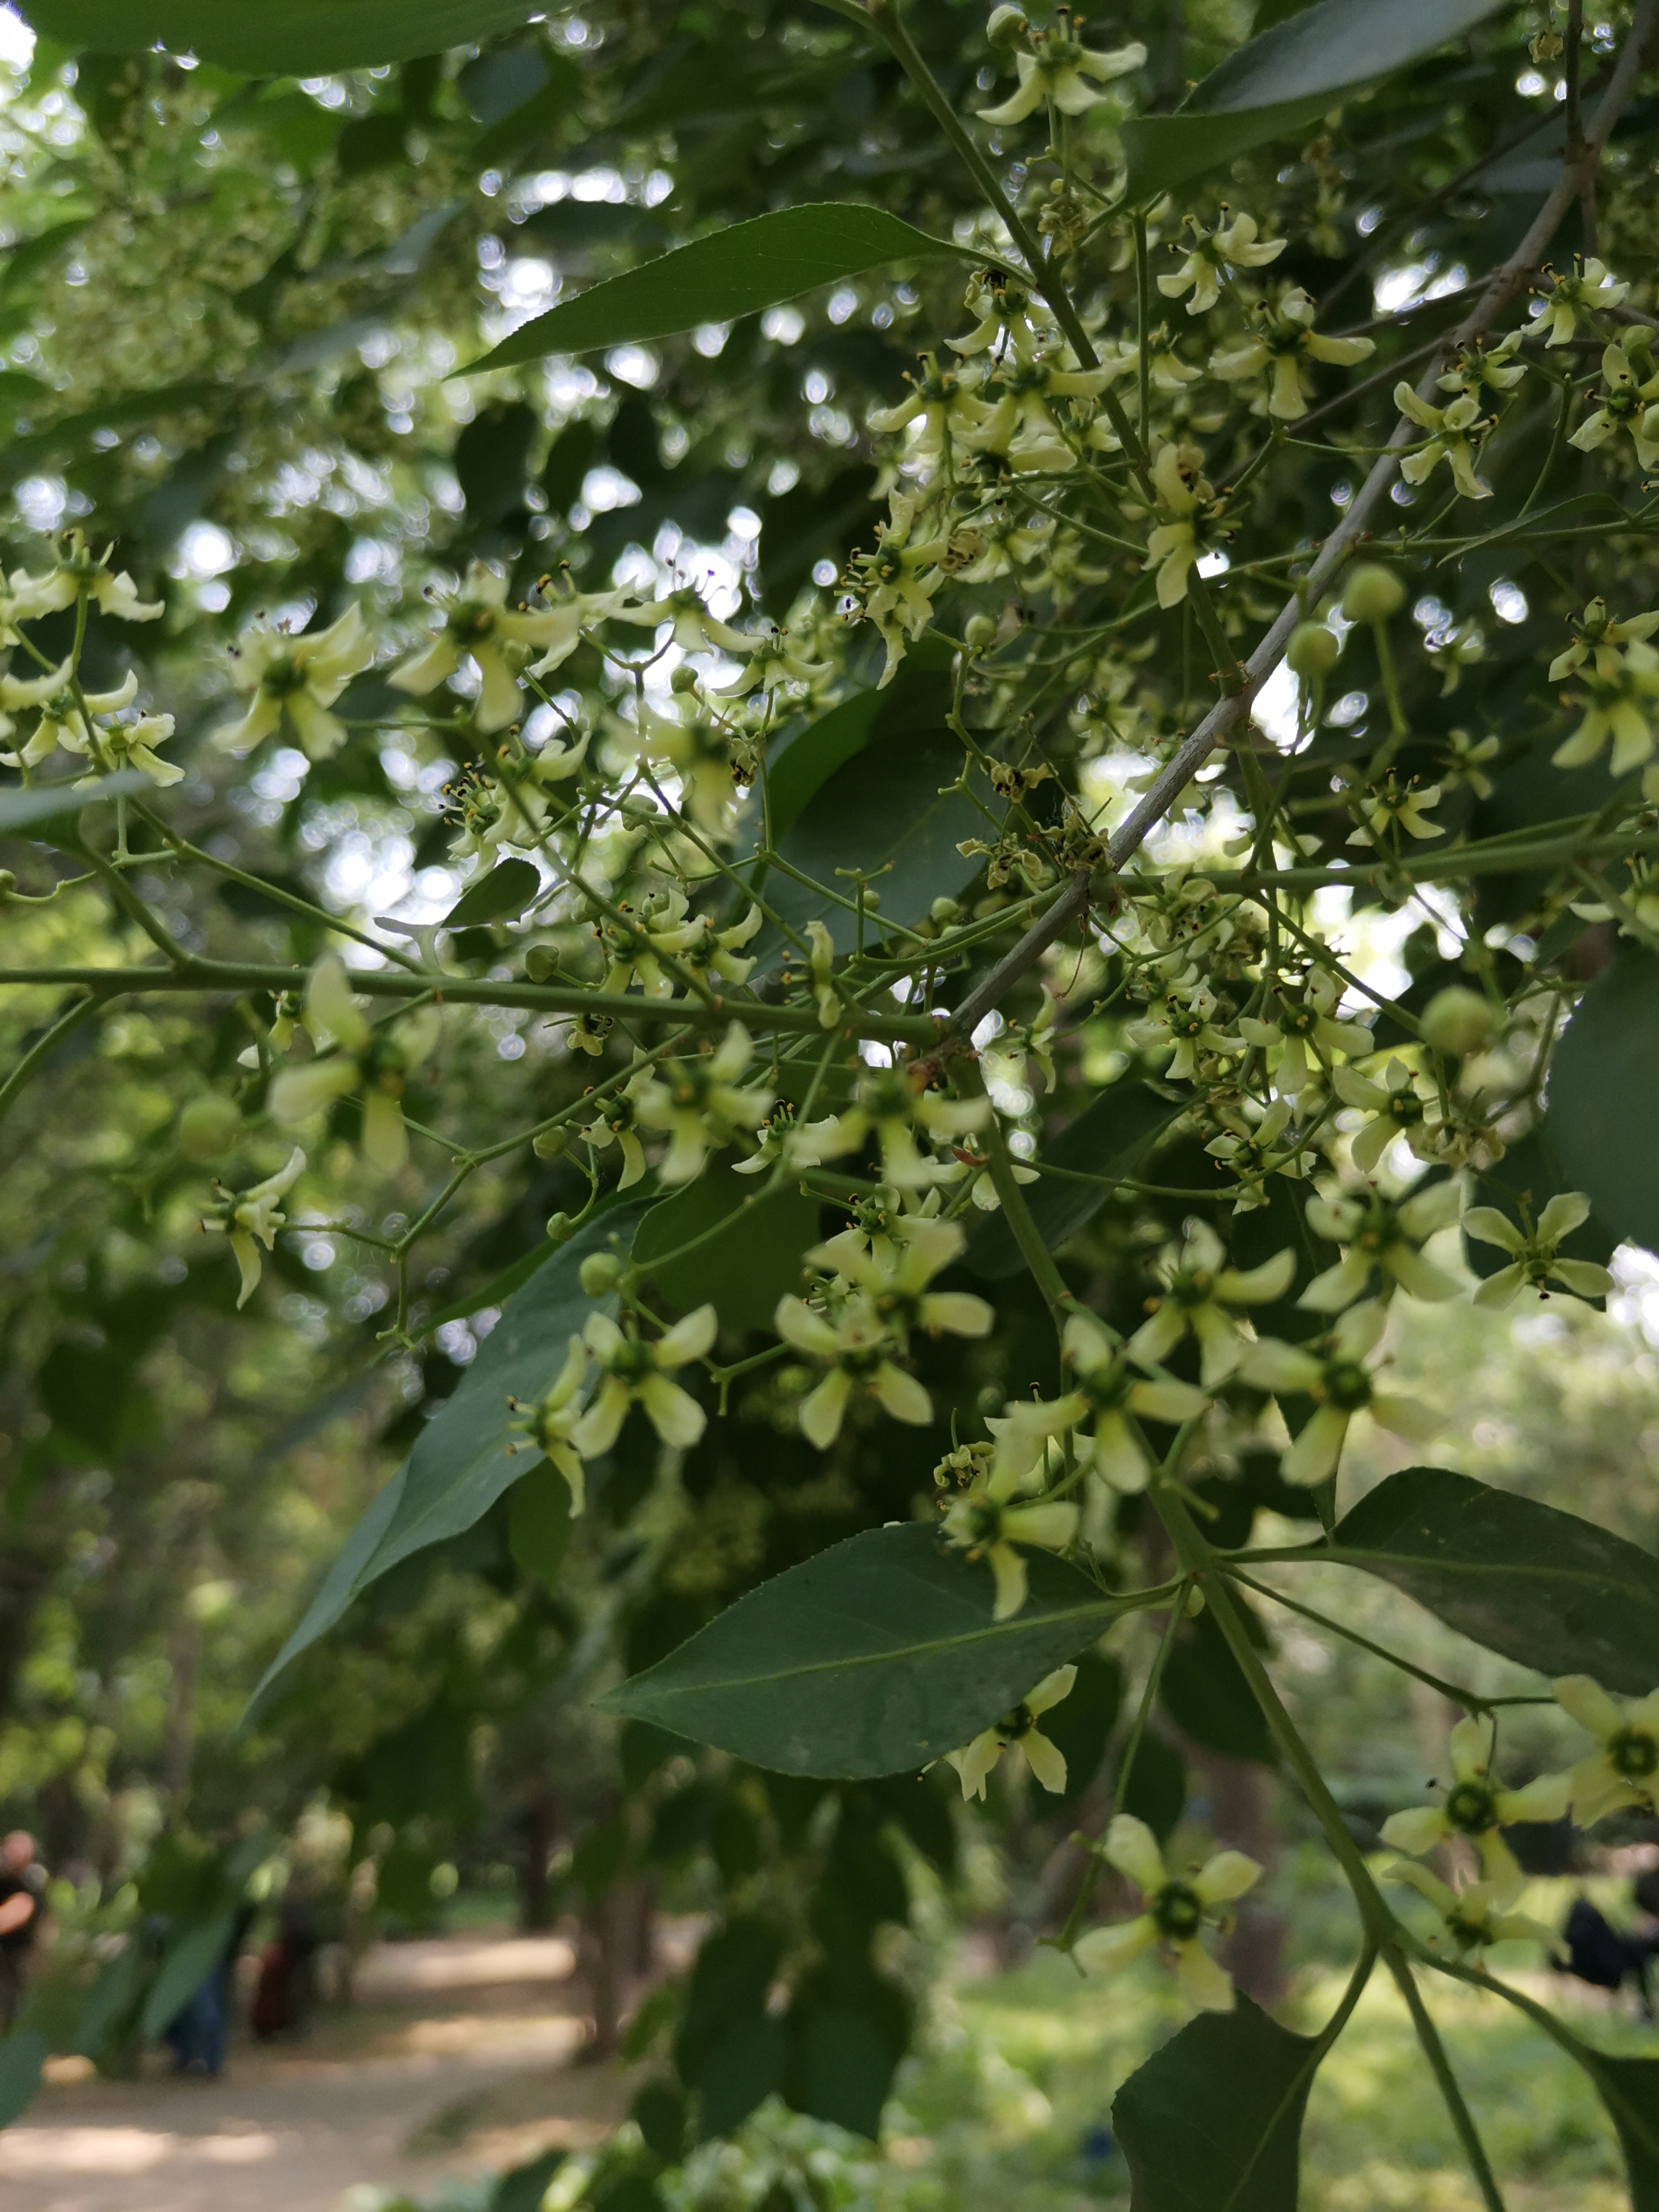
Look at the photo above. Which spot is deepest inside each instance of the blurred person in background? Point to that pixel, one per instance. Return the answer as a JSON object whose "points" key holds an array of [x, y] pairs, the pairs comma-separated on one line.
{"points": [[23, 1882]]}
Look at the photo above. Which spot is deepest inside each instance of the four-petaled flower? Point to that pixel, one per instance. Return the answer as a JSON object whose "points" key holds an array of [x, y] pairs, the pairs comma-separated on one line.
{"points": [[1284, 340], [1456, 432], [892, 1107], [1299, 1016], [1398, 1105], [1185, 525], [480, 626], [993, 1517], [1212, 253], [1473, 1917], [1201, 1294], [700, 1103], [1061, 68], [297, 678], [61, 722], [1176, 1907], [1623, 1768], [352, 1056], [551, 1421], [1627, 403], [1017, 1731], [1591, 291], [252, 1218], [1477, 1809], [1108, 1392], [1535, 1259], [1332, 1373], [895, 1281], [636, 1372], [1383, 1236], [859, 1349]]}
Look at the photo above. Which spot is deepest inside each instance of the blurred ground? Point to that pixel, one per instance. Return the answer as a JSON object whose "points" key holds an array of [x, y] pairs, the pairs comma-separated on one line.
{"points": [[456, 2061], [455, 2058]]}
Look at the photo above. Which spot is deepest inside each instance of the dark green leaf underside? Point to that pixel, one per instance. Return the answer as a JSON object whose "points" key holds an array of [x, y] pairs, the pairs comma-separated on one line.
{"points": [[1213, 2121], [462, 1463], [875, 1658], [736, 271], [1109, 1138], [1603, 1082], [291, 38], [1286, 79], [1542, 1587]]}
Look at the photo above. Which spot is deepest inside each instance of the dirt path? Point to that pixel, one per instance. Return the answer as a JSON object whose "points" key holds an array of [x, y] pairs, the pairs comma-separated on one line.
{"points": [[455, 2059]]}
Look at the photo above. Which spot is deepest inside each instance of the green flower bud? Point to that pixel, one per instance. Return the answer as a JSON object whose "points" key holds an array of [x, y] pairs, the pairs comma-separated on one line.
{"points": [[599, 1273], [635, 809], [1372, 594], [1459, 1021], [872, 899], [560, 1228], [540, 963], [1008, 27], [981, 629], [945, 911], [548, 1144], [208, 1127], [1312, 650], [684, 678]]}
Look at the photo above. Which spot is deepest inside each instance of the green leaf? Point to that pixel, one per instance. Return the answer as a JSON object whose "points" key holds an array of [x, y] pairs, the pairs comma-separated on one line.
{"points": [[734, 272], [887, 811], [1080, 1727], [522, 2188], [1206, 1695], [288, 38], [1603, 1083], [1157, 1786], [194, 1954], [804, 762], [876, 1657], [1544, 1588], [21, 808], [1629, 2088], [506, 890], [462, 1463], [1532, 1168], [752, 1260], [1213, 2121], [539, 1522], [22, 2054], [1285, 79], [1110, 1137]]}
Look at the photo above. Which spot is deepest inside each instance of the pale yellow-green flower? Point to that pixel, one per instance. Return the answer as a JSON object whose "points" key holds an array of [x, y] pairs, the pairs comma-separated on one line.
{"points": [[1204, 1296], [551, 1423], [1535, 1258], [297, 678], [252, 1218], [1061, 70], [1476, 1809], [859, 1351], [1018, 1732], [1472, 1917], [1333, 1374], [1176, 1907], [637, 1371], [1623, 1768]]}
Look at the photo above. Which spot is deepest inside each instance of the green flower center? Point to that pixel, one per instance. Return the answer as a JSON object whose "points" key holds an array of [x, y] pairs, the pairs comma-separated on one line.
{"points": [[631, 1360], [1634, 1753], [1018, 1721], [1347, 1386], [1472, 1809], [282, 677], [1179, 1911]]}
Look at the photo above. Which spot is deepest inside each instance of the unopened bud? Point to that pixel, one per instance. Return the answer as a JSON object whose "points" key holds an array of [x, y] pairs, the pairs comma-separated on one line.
{"points": [[1372, 594], [945, 911], [1194, 1604], [872, 899], [540, 964], [560, 1229], [980, 630], [599, 1273], [547, 1143], [1312, 650], [208, 1127], [684, 678], [637, 810], [1008, 27], [1459, 1021]]}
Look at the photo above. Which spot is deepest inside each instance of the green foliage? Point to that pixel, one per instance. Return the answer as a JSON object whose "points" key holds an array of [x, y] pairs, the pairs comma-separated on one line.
{"points": [[1285, 79], [22, 2054], [1606, 1059], [1212, 2122], [872, 1659], [759, 264], [294, 38], [1544, 1587]]}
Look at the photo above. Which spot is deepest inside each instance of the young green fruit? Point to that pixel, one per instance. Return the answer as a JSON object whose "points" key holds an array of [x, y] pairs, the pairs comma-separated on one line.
{"points": [[208, 1127], [600, 1273], [1459, 1021], [979, 632], [560, 1228], [1372, 594], [1312, 650]]}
